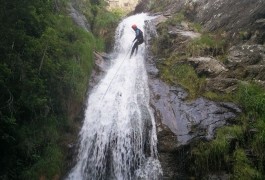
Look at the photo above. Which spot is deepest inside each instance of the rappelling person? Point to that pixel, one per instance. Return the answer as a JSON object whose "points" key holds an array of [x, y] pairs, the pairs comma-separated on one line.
{"points": [[139, 39]]}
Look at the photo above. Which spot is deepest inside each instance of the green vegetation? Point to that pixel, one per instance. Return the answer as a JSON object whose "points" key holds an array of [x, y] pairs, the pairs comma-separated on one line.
{"points": [[183, 74], [206, 45], [213, 156], [196, 27], [228, 97], [237, 149], [164, 45], [45, 64], [176, 18], [173, 54], [242, 167]]}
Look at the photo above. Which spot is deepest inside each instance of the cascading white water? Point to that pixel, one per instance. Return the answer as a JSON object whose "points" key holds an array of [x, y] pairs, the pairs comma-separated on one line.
{"points": [[118, 137]]}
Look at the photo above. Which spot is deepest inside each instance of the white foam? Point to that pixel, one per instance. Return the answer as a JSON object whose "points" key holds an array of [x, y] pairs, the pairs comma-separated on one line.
{"points": [[116, 133]]}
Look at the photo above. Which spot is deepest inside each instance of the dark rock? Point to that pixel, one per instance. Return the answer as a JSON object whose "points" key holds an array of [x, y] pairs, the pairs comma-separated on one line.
{"points": [[187, 120], [167, 139], [102, 63], [142, 6], [151, 69]]}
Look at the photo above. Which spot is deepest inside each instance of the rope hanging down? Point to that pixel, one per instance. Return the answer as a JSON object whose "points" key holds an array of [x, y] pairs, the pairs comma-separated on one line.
{"points": [[115, 74]]}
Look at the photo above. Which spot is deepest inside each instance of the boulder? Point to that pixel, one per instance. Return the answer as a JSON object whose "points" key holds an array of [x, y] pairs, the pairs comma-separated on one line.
{"points": [[221, 85], [207, 66], [247, 61], [246, 55]]}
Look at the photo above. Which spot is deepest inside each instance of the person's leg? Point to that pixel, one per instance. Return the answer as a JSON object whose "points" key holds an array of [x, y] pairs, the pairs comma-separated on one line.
{"points": [[133, 48], [136, 49], [136, 46], [138, 43]]}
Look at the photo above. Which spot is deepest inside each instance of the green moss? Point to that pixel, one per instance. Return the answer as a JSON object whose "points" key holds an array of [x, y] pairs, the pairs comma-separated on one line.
{"points": [[184, 75], [176, 19], [258, 143], [162, 46], [206, 45], [227, 150], [229, 97], [252, 97], [49, 166], [243, 168], [187, 77], [214, 155], [196, 27]]}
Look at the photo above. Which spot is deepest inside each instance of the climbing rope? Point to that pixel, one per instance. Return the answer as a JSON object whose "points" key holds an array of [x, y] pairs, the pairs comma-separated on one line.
{"points": [[115, 74]]}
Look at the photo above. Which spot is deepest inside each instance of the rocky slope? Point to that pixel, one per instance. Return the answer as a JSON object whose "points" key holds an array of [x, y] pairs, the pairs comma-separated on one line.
{"points": [[181, 123]]}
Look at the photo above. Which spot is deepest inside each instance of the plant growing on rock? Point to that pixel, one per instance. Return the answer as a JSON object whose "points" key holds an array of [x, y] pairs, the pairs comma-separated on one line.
{"points": [[206, 45], [214, 155], [237, 149]]}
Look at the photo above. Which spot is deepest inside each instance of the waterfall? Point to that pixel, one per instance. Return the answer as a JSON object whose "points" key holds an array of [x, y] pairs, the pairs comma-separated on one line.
{"points": [[118, 137]]}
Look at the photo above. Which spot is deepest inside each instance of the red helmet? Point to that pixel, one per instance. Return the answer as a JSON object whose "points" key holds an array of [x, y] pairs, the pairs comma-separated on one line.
{"points": [[134, 26]]}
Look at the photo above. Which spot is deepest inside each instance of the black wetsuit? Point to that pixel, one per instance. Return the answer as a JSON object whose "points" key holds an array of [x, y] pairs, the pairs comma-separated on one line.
{"points": [[139, 40]]}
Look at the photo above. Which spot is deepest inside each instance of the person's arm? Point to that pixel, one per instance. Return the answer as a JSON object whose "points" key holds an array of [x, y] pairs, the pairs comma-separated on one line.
{"points": [[137, 34]]}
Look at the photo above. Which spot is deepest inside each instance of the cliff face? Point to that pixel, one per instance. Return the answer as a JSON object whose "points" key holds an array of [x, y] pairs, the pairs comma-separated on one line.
{"points": [[236, 28], [231, 16], [222, 42], [228, 15]]}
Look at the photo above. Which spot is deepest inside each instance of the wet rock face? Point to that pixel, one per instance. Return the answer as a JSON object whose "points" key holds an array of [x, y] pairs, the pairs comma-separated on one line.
{"points": [[188, 120]]}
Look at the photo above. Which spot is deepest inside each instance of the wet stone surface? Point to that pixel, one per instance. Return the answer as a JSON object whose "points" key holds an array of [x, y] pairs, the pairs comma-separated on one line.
{"points": [[188, 120]]}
